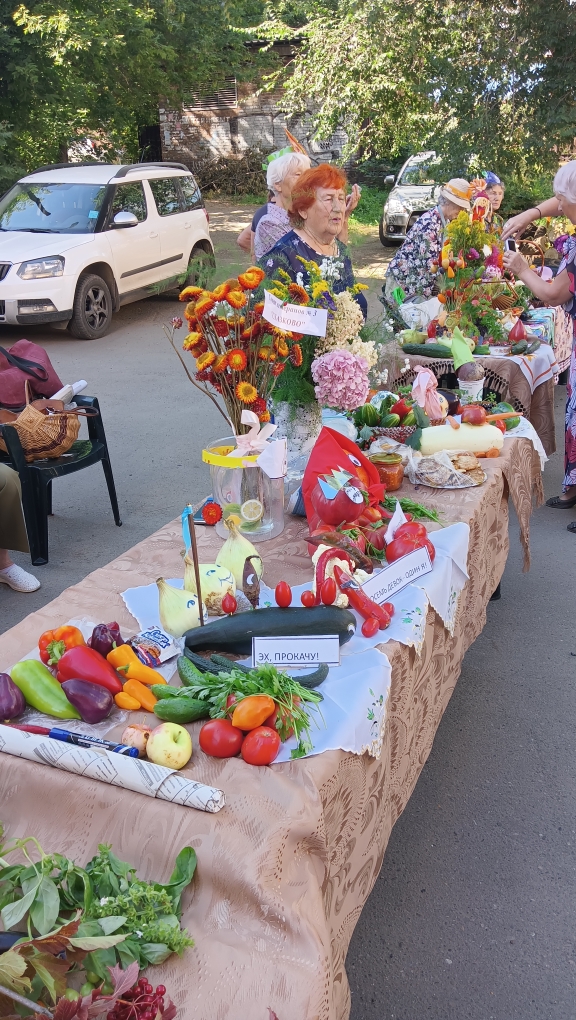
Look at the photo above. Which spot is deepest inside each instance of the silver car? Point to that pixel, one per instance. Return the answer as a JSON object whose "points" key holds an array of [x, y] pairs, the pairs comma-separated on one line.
{"points": [[415, 190]]}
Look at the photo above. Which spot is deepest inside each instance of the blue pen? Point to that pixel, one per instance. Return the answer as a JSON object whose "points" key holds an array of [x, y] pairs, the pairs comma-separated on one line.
{"points": [[80, 739]]}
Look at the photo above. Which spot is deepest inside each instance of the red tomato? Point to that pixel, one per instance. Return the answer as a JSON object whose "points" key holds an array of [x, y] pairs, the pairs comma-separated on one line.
{"points": [[261, 746], [230, 702], [375, 537], [388, 607], [220, 738], [370, 627], [345, 507], [283, 595], [356, 537], [411, 528], [328, 591], [385, 619], [406, 544], [229, 603], [500, 425], [308, 599], [272, 720]]}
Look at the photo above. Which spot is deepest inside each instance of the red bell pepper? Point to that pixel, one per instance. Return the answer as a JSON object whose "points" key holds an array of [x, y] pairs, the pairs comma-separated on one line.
{"points": [[53, 643], [359, 601], [401, 408], [83, 663]]}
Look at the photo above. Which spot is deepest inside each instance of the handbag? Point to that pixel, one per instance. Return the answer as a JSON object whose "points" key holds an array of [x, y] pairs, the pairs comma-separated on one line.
{"points": [[44, 428], [25, 361]]}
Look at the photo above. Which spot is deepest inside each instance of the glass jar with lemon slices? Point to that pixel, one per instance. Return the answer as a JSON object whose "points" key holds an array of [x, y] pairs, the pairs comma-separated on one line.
{"points": [[246, 494]]}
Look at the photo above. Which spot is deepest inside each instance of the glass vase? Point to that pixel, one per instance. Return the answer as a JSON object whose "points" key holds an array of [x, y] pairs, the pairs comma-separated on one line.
{"points": [[246, 494], [300, 425]]}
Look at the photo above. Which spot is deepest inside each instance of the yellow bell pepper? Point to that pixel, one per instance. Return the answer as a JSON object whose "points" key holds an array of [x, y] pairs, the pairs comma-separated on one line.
{"points": [[126, 662]]}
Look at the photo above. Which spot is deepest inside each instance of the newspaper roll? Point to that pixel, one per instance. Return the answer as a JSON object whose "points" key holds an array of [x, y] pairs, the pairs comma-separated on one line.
{"points": [[115, 769]]}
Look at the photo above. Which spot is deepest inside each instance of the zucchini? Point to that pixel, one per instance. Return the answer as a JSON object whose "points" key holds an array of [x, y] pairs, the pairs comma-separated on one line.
{"points": [[312, 680], [520, 347], [390, 421], [533, 347], [235, 633], [181, 710], [483, 349], [428, 350]]}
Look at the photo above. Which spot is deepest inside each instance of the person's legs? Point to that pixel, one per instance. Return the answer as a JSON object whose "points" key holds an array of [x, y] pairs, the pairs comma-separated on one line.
{"points": [[568, 497], [13, 533]]}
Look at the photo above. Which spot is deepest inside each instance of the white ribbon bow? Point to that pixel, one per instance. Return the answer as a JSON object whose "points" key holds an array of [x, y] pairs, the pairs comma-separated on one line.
{"points": [[256, 439]]}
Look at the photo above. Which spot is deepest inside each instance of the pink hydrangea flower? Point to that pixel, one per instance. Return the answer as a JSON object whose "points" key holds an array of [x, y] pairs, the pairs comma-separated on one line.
{"points": [[341, 380]]}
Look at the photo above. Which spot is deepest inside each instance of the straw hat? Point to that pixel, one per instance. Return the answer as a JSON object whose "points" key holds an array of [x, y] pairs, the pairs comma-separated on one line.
{"points": [[458, 191]]}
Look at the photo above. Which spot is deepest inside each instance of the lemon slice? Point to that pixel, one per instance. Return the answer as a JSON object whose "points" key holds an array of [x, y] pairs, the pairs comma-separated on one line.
{"points": [[252, 510]]}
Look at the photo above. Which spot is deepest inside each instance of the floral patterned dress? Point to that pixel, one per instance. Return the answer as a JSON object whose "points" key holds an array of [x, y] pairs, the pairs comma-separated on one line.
{"points": [[290, 249], [410, 267], [569, 264]]}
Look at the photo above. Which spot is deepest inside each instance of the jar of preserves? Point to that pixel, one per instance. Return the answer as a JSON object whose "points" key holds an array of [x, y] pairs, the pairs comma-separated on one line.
{"points": [[390, 469]]}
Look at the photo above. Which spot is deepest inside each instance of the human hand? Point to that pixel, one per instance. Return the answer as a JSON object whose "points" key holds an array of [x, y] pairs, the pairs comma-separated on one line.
{"points": [[515, 262], [352, 200], [516, 225]]}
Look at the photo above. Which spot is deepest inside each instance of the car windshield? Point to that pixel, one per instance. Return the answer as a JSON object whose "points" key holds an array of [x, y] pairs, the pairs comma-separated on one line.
{"points": [[418, 173], [52, 208]]}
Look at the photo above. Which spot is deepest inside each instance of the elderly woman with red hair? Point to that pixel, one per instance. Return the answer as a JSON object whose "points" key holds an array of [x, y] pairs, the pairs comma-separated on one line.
{"points": [[319, 229]]}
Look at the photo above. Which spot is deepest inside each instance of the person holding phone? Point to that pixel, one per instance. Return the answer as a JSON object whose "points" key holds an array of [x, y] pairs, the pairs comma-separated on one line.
{"points": [[560, 291]]}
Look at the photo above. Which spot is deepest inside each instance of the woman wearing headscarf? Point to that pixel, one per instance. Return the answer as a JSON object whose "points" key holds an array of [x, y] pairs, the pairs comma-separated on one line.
{"points": [[494, 188], [560, 291], [410, 268]]}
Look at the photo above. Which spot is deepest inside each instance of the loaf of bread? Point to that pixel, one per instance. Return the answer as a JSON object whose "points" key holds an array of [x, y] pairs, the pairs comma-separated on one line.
{"points": [[475, 438]]}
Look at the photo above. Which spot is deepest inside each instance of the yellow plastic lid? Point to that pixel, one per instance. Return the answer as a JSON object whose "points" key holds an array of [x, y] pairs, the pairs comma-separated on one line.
{"points": [[218, 455]]}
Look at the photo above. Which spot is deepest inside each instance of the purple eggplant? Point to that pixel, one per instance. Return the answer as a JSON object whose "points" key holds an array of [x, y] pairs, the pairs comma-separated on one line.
{"points": [[94, 703], [12, 702]]}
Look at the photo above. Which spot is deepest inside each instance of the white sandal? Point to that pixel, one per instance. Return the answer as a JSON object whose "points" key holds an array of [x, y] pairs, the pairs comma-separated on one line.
{"points": [[19, 579]]}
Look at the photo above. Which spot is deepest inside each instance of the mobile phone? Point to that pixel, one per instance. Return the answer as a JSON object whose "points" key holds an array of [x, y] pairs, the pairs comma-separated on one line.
{"points": [[510, 244]]}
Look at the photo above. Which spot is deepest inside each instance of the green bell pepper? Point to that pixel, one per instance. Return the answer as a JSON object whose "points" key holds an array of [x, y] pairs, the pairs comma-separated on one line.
{"points": [[41, 690]]}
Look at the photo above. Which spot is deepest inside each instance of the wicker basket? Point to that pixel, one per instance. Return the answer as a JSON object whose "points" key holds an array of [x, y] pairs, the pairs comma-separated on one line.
{"points": [[45, 435], [400, 433]]}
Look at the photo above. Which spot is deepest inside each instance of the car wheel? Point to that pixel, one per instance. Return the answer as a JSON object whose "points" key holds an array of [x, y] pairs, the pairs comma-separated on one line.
{"points": [[383, 240], [92, 313], [201, 265]]}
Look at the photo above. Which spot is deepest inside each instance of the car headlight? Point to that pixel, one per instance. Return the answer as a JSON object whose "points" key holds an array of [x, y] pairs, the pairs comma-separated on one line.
{"points": [[395, 206], [39, 269]]}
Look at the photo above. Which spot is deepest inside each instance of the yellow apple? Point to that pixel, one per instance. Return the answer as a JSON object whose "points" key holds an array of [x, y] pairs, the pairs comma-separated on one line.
{"points": [[169, 745]]}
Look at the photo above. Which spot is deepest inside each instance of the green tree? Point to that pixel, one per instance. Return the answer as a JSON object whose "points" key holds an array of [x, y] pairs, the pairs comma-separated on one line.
{"points": [[487, 85], [73, 67]]}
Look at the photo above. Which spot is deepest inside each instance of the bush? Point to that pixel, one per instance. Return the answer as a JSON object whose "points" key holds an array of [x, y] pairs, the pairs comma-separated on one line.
{"points": [[521, 194], [369, 209]]}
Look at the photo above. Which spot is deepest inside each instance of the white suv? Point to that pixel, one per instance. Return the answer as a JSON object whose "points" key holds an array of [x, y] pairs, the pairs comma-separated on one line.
{"points": [[78, 241]]}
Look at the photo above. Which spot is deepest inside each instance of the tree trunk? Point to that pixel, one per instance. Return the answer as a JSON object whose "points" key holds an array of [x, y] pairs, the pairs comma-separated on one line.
{"points": [[63, 153]]}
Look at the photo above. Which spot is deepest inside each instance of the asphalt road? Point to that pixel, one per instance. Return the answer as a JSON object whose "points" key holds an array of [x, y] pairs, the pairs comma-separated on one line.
{"points": [[472, 915]]}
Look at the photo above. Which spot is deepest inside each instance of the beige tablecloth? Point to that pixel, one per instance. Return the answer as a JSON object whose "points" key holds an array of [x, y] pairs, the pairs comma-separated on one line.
{"points": [[285, 868]]}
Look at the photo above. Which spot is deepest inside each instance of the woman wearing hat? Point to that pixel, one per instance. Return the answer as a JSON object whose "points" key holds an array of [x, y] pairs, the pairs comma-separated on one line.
{"points": [[410, 267]]}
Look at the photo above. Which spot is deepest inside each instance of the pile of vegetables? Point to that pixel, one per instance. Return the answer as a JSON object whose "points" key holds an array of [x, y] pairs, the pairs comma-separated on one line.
{"points": [[391, 413], [251, 711], [111, 916]]}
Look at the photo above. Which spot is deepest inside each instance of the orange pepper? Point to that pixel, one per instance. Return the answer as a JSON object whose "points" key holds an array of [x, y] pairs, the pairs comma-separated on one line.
{"points": [[127, 701], [252, 711], [53, 643], [124, 659], [140, 693]]}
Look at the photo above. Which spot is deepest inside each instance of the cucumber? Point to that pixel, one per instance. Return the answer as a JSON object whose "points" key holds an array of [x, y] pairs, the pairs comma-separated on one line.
{"points": [[189, 671], [312, 680], [234, 633], [427, 350], [533, 347], [181, 710], [164, 691], [483, 349], [390, 421], [520, 347], [226, 664]]}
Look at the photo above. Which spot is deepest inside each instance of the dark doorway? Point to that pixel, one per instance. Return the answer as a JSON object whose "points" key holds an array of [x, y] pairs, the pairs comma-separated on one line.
{"points": [[149, 145]]}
